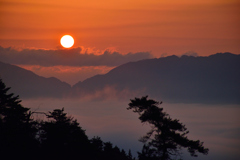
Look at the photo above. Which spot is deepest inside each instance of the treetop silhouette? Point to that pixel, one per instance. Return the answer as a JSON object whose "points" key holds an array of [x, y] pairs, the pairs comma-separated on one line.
{"points": [[60, 137], [167, 136], [17, 129]]}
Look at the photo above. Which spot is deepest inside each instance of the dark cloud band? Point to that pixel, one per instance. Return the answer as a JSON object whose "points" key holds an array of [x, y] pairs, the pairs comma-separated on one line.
{"points": [[67, 57]]}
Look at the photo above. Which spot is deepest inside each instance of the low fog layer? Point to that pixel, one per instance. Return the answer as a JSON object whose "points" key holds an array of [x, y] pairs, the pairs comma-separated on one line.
{"points": [[216, 125]]}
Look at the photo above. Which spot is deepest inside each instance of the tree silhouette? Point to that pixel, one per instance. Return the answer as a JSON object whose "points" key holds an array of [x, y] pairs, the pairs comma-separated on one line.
{"points": [[97, 147], [130, 154], [17, 129], [63, 137], [167, 136], [59, 137], [106, 151]]}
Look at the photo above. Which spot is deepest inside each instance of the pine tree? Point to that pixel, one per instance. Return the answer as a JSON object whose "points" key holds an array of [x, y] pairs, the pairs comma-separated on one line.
{"points": [[17, 130], [62, 137], [167, 136]]}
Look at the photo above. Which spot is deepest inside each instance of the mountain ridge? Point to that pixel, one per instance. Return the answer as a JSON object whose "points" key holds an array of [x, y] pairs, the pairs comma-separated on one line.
{"points": [[172, 78], [185, 79], [29, 85]]}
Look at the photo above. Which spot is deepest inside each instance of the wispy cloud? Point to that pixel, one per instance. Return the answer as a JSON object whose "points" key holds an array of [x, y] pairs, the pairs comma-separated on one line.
{"points": [[68, 57], [191, 53]]}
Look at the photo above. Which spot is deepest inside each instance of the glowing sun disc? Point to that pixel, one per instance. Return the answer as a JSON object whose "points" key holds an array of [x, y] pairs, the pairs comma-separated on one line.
{"points": [[67, 41]]}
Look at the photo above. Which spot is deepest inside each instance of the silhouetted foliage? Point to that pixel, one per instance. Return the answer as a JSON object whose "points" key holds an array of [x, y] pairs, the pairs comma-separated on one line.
{"points": [[130, 155], [97, 147], [106, 151], [166, 136], [111, 152], [17, 129], [63, 135], [147, 154], [60, 137]]}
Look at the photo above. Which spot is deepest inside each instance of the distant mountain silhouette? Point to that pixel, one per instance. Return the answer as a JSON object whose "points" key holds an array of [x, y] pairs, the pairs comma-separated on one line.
{"points": [[29, 85], [186, 79]]}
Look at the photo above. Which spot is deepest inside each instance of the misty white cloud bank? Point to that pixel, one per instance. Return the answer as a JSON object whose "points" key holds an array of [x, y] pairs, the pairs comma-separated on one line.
{"points": [[68, 57]]}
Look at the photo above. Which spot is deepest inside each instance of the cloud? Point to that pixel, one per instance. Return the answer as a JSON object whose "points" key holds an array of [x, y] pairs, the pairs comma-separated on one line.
{"points": [[190, 53], [109, 92], [68, 57]]}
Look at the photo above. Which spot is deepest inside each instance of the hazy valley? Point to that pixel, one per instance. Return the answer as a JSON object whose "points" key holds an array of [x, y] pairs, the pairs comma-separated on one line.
{"points": [[203, 92]]}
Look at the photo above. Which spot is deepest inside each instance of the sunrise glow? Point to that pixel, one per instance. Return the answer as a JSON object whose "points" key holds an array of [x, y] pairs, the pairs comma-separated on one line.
{"points": [[73, 74]]}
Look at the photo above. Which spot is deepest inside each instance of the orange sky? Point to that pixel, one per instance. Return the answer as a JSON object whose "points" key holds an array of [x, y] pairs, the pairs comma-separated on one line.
{"points": [[159, 26], [162, 27]]}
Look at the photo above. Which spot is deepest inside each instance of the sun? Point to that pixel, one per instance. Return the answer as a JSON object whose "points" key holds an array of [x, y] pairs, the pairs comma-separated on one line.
{"points": [[67, 41]]}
